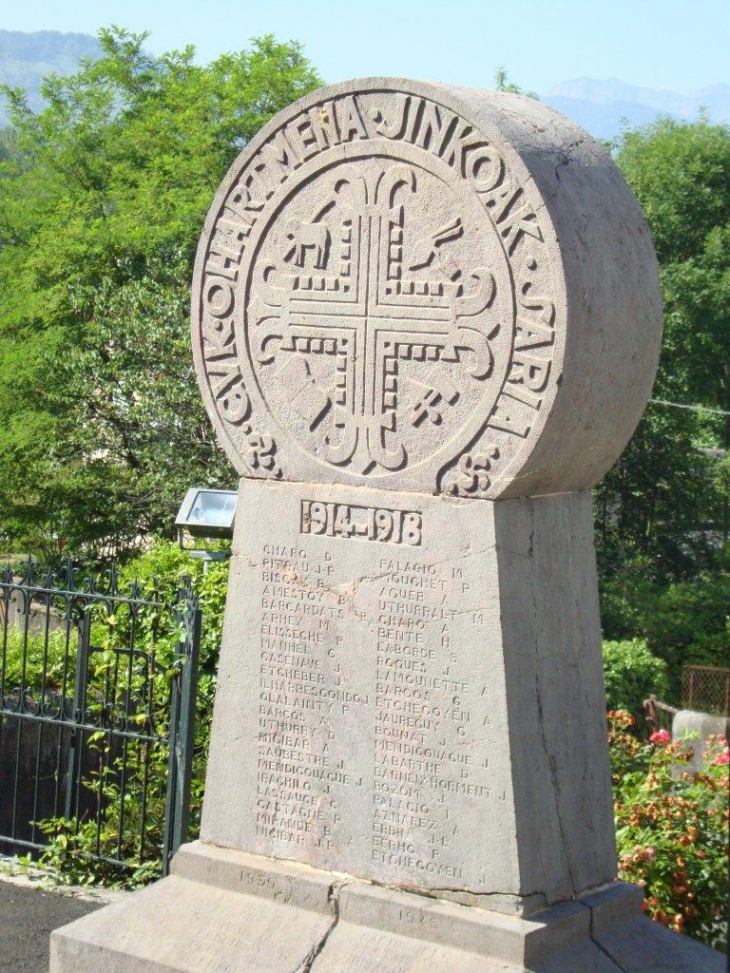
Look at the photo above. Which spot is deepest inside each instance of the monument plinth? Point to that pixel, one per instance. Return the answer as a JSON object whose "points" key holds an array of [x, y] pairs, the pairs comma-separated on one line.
{"points": [[426, 321]]}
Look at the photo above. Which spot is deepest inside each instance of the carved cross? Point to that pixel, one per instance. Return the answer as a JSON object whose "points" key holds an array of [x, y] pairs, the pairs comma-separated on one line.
{"points": [[368, 317]]}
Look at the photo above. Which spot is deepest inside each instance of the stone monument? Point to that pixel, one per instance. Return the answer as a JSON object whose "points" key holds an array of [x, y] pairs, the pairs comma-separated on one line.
{"points": [[426, 320]]}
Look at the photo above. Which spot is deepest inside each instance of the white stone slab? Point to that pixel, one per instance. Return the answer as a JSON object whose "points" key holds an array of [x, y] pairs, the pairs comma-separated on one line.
{"points": [[188, 927]]}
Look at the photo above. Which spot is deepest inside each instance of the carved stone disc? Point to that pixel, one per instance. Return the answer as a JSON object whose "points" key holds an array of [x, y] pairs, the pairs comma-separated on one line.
{"points": [[382, 296]]}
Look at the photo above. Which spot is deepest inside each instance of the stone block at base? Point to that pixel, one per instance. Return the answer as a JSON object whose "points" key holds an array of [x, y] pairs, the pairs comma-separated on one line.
{"points": [[225, 911]]}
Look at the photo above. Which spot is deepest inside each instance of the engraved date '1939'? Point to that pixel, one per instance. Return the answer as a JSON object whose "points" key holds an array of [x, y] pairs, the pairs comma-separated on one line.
{"points": [[362, 523]]}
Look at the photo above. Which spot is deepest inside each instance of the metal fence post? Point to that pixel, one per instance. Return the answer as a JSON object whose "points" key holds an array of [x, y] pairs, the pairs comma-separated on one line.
{"points": [[182, 734], [79, 707]]}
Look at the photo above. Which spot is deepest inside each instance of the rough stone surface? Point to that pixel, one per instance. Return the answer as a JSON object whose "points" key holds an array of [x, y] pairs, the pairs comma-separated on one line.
{"points": [[230, 912], [414, 287], [427, 693]]}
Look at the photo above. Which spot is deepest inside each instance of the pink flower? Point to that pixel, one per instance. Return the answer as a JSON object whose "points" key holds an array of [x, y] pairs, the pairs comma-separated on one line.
{"points": [[661, 736], [722, 758]]}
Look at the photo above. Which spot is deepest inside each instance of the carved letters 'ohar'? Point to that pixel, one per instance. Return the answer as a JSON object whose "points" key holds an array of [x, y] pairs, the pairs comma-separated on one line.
{"points": [[375, 301]]}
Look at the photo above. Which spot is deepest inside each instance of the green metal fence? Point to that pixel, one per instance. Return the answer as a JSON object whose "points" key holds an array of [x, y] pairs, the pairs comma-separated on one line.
{"points": [[97, 707]]}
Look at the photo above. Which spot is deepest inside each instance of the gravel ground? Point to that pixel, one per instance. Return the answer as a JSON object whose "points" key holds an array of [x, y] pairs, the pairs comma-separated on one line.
{"points": [[28, 915]]}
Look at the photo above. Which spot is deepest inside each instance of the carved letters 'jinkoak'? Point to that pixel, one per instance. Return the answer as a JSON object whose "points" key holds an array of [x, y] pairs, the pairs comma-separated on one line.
{"points": [[380, 298]]}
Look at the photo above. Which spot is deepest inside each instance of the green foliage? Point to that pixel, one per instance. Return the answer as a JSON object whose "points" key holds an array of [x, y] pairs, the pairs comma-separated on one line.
{"points": [[81, 852], [683, 623], [631, 675], [671, 829], [503, 83], [74, 848], [680, 173], [663, 513], [8, 144], [159, 572], [44, 659], [664, 506], [71, 855], [661, 507], [102, 196]]}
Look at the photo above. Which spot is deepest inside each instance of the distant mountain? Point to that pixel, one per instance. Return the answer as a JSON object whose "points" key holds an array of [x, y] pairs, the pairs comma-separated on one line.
{"points": [[606, 107], [25, 59], [602, 107]]}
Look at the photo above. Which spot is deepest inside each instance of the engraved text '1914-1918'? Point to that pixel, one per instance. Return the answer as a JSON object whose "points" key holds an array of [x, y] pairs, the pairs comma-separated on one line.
{"points": [[365, 523]]}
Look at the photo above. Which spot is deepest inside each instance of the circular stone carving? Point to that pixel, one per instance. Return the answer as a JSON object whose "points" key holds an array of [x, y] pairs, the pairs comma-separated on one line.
{"points": [[413, 287]]}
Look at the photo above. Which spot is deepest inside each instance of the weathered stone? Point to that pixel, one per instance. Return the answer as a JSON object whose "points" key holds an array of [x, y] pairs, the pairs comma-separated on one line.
{"points": [[428, 698], [407, 297], [417, 287], [229, 912]]}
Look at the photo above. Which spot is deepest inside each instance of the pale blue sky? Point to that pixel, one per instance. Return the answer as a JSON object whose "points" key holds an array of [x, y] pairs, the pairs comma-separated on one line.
{"points": [[681, 45]]}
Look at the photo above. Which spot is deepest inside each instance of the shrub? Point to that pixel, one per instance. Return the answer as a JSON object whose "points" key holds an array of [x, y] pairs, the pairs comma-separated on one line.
{"points": [[44, 663], [632, 674], [686, 622], [671, 829], [160, 571]]}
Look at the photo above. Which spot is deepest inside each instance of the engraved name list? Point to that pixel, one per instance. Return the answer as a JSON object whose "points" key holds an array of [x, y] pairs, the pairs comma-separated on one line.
{"points": [[373, 737]]}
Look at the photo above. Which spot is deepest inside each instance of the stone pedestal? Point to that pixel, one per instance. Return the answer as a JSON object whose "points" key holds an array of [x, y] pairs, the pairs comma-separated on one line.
{"points": [[425, 322], [230, 912], [410, 691]]}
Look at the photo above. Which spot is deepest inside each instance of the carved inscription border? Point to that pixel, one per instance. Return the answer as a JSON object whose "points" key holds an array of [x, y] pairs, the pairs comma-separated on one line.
{"points": [[379, 122]]}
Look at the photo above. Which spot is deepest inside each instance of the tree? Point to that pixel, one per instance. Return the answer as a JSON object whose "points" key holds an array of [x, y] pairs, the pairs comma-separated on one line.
{"points": [[662, 511], [503, 83], [665, 502], [680, 173], [102, 197]]}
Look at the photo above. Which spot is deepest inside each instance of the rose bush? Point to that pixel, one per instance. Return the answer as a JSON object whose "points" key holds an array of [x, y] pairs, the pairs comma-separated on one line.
{"points": [[672, 827]]}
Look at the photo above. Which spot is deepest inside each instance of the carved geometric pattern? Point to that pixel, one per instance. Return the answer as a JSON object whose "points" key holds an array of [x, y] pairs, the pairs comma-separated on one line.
{"points": [[469, 476], [338, 289], [376, 299]]}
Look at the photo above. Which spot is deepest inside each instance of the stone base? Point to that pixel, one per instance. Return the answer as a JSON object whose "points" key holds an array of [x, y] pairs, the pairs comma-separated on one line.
{"points": [[225, 911]]}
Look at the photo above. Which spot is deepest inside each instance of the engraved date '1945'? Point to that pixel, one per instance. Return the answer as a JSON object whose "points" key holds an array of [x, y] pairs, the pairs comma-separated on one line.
{"points": [[362, 523]]}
